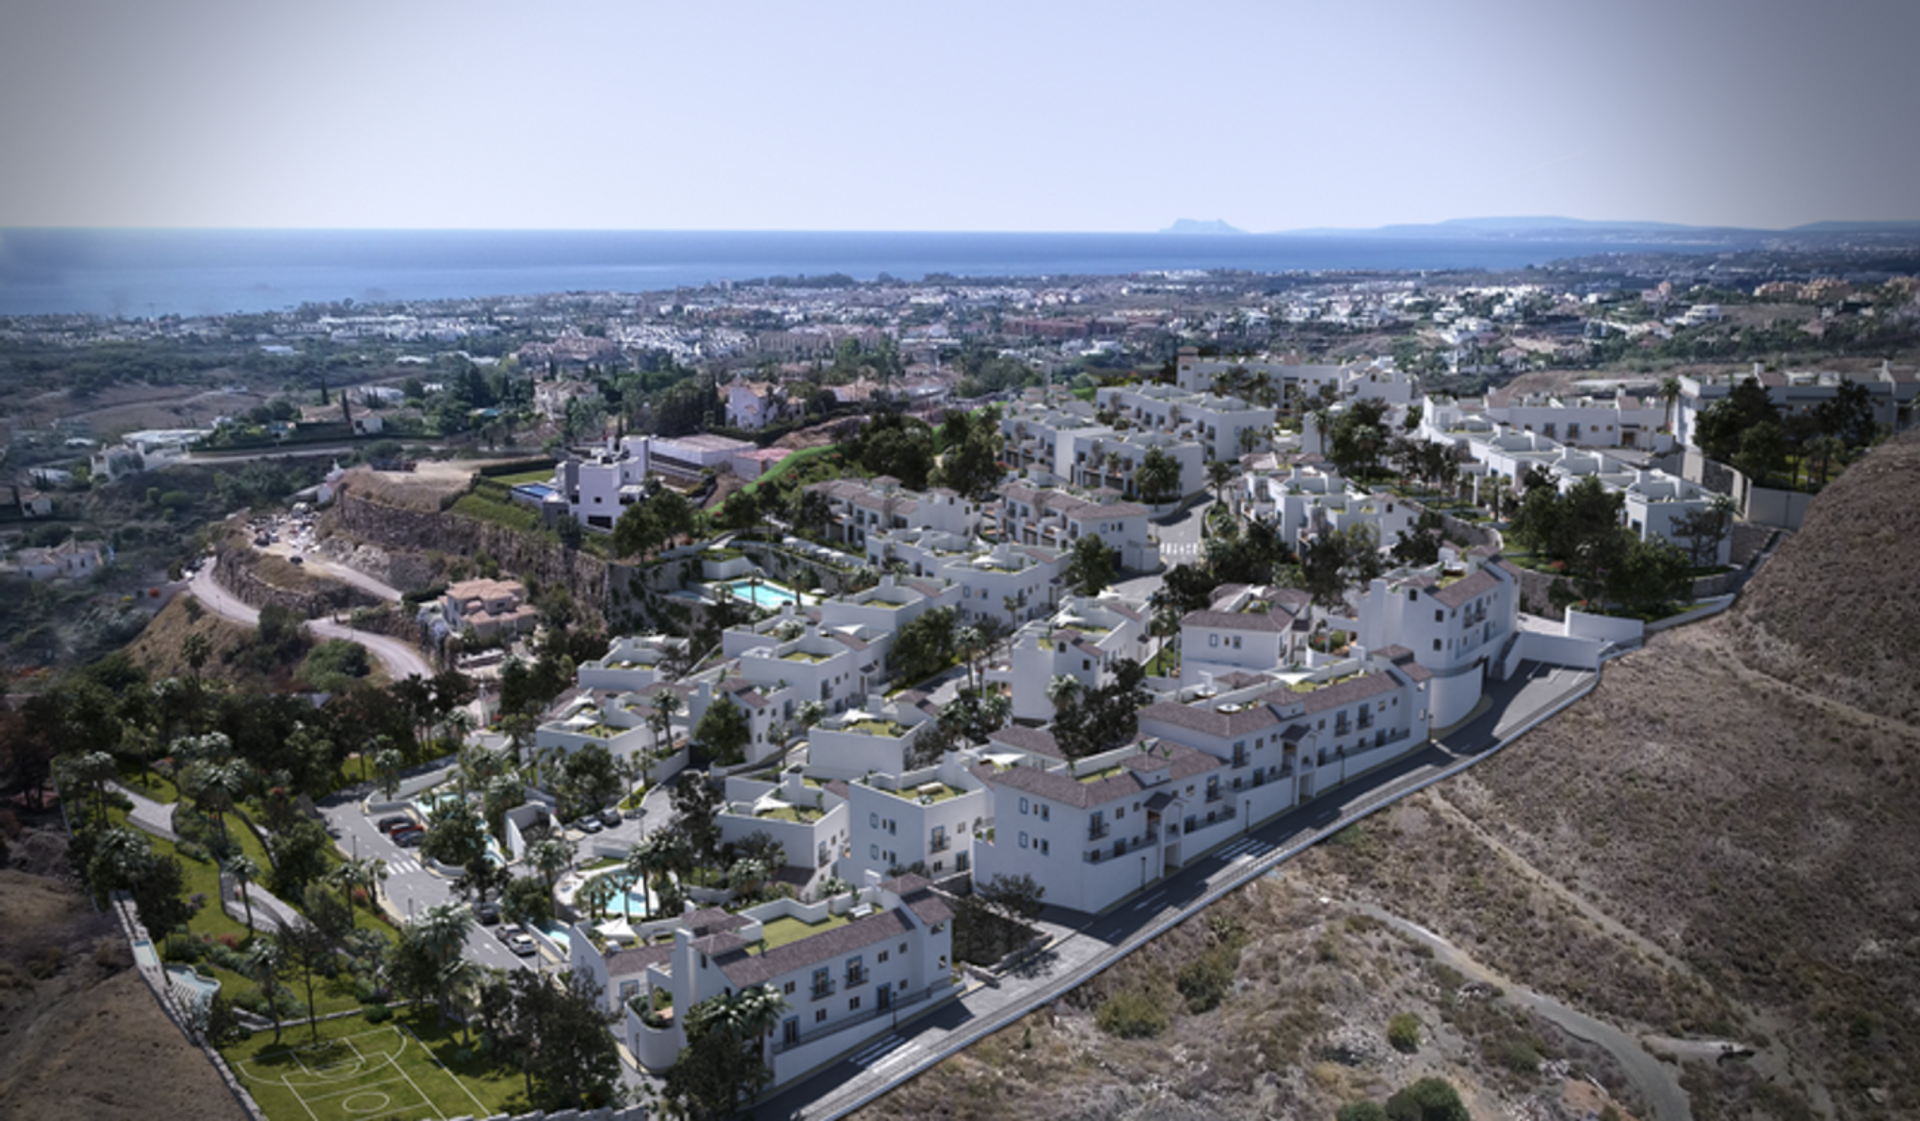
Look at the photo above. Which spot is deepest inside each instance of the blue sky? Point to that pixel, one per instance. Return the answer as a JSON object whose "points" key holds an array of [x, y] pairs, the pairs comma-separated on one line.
{"points": [[978, 116]]}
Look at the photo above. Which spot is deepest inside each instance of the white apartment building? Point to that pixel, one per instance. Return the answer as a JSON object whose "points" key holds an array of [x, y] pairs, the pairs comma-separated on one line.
{"points": [[883, 505], [873, 737], [1056, 519], [1308, 501], [1622, 421], [844, 985], [1454, 620], [1797, 391], [1085, 640], [1063, 444], [1256, 630], [599, 488], [1216, 422], [631, 662], [929, 818]]}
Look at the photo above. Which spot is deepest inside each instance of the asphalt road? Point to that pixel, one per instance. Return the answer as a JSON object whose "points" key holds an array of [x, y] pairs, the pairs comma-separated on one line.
{"points": [[1086, 944], [401, 659]]}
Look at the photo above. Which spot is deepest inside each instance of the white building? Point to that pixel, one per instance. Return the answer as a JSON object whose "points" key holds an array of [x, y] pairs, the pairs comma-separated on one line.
{"points": [[1056, 519], [928, 819], [1217, 423], [1455, 621], [1258, 630], [1086, 639], [1308, 501], [598, 489]]}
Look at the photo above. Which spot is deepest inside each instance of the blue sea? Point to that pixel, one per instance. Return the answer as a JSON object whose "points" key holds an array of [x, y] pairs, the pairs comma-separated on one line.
{"points": [[145, 273]]}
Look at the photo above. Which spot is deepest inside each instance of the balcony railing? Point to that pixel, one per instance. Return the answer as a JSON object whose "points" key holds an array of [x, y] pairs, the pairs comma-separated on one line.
{"points": [[822, 990], [939, 844], [1213, 794], [1097, 830], [1121, 848], [856, 977]]}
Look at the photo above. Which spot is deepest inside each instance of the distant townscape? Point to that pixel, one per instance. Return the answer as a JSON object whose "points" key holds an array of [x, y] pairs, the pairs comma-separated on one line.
{"points": [[719, 681]]}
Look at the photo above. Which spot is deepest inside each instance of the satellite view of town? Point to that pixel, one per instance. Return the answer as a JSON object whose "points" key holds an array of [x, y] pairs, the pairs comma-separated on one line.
{"points": [[489, 643]]}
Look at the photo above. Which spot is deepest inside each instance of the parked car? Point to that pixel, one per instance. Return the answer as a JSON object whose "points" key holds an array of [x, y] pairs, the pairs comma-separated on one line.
{"points": [[610, 817], [409, 838], [399, 821], [486, 914], [521, 943], [588, 825]]}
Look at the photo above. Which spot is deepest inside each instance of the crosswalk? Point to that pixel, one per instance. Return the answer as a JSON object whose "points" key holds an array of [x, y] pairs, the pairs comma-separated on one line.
{"points": [[1179, 548], [1244, 849], [407, 865], [886, 1052]]}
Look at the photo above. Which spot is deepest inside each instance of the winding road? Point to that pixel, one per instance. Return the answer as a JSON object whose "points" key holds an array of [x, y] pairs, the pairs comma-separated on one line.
{"points": [[401, 659], [1657, 1082]]}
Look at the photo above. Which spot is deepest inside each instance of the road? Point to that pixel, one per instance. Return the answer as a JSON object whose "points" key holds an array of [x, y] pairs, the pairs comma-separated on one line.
{"points": [[1657, 1082], [1083, 945], [401, 659]]}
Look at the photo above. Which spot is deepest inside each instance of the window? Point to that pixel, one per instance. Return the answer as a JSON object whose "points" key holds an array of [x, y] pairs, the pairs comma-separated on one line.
{"points": [[789, 988], [883, 956], [1023, 805], [1023, 839], [822, 982], [1439, 616], [790, 1030], [819, 1015], [873, 819], [1436, 644], [1046, 812], [873, 852], [853, 1004], [1043, 846], [1213, 640], [856, 971]]}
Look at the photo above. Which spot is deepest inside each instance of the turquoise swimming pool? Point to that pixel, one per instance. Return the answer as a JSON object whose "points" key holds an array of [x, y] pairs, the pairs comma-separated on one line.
{"points": [[763, 593]]}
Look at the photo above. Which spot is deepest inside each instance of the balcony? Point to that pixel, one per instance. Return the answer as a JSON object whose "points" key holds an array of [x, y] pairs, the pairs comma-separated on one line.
{"points": [[822, 990], [939, 843], [856, 977], [1097, 830], [1120, 848], [1213, 794]]}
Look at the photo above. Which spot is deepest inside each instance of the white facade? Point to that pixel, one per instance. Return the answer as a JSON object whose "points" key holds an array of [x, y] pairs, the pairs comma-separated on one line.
{"points": [[1085, 640], [1215, 422], [1455, 623], [598, 489], [1245, 630], [1056, 519], [929, 818]]}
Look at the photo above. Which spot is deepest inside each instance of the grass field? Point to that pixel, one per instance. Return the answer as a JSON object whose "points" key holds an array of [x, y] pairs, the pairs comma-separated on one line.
{"points": [[408, 1068]]}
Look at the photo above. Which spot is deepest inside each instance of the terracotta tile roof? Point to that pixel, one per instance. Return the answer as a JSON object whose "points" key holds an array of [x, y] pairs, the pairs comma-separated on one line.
{"points": [[1037, 741], [1460, 591], [636, 959], [917, 895], [1204, 717], [743, 969], [1345, 693], [1268, 622]]}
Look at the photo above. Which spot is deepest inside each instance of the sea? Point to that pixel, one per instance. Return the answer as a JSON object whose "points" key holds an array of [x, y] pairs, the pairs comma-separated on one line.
{"points": [[124, 273]]}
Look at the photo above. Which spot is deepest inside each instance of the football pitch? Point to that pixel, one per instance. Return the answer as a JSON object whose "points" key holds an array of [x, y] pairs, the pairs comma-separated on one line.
{"points": [[371, 1075]]}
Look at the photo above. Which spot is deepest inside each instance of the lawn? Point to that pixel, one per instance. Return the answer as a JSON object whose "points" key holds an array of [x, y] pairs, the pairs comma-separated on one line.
{"points": [[409, 1067], [540, 475], [781, 931]]}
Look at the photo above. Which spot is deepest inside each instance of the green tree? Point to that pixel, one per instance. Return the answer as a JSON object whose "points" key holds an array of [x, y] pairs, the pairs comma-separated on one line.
{"points": [[299, 854], [925, 645], [696, 799], [724, 731], [568, 1056], [527, 900], [1158, 478], [723, 1065], [456, 833], [1359, 438], [1091, 566]]}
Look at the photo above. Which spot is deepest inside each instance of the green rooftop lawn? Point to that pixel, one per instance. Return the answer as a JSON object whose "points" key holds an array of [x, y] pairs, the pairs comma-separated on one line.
{"points": [[778, 932], [1102, 774], [803, 656], [891, 729], [800, 815]]}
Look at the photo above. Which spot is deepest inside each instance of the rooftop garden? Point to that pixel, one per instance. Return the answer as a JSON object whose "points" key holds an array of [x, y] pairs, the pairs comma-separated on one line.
{"points": [[890, 729], [1102, 774], [799, 815], [775, 933], [803, 656]]}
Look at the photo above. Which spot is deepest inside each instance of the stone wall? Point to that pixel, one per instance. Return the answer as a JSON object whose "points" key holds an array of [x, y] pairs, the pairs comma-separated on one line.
{"points": [[234, 569], [585, 576]]}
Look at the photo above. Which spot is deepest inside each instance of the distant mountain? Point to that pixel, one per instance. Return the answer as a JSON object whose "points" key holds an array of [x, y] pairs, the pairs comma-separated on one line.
{"points": [[1196, 226], [1552, 228]]}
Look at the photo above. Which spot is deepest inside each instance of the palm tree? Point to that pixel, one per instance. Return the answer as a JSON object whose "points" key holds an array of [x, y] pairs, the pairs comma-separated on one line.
{"points": [[84, 778], [442, 931], [970, 643], [550, 857], [665, 704], [216, 787], [462, 979], [1165, 624], [1063, 690], [1670, 393], [594, 897], [388, 762], [641, 859], [264, 961], [245, 870]]}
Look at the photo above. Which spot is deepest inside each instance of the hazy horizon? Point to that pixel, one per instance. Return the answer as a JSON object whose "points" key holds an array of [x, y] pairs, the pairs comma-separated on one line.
{"points": [[857, 115]]}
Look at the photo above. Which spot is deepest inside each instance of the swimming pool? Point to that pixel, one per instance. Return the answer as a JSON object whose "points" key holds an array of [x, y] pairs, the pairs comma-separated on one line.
{"points": [[763, 593]]}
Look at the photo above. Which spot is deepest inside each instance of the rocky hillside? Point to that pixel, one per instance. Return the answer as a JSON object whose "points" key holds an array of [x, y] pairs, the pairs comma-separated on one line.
{"points": [[81, 1038], [1718, 845], [1839, 611]]}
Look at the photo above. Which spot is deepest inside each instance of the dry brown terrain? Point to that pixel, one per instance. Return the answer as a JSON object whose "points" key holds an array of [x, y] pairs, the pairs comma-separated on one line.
{"points": [[1718, 843], [81, 1038]]}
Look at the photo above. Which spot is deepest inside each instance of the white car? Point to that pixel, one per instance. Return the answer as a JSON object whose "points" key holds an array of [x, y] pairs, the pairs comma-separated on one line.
{"points": [[521, 943]]}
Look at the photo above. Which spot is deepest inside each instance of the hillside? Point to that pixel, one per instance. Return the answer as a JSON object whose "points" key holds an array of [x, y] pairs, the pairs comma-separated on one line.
{"points": [[1838, 613], [1717, 844]]}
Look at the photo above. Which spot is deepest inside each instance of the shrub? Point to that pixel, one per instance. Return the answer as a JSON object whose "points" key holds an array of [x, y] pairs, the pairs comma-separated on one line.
{"points": [[1131, 1015], [1361, 1111], [1403, 1031], [1206, 980], [1430, 1099], [378, 1014]]}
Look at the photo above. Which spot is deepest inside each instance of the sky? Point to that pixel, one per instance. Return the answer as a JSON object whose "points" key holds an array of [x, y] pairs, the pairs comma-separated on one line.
{"points": [[1032, 116]]}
